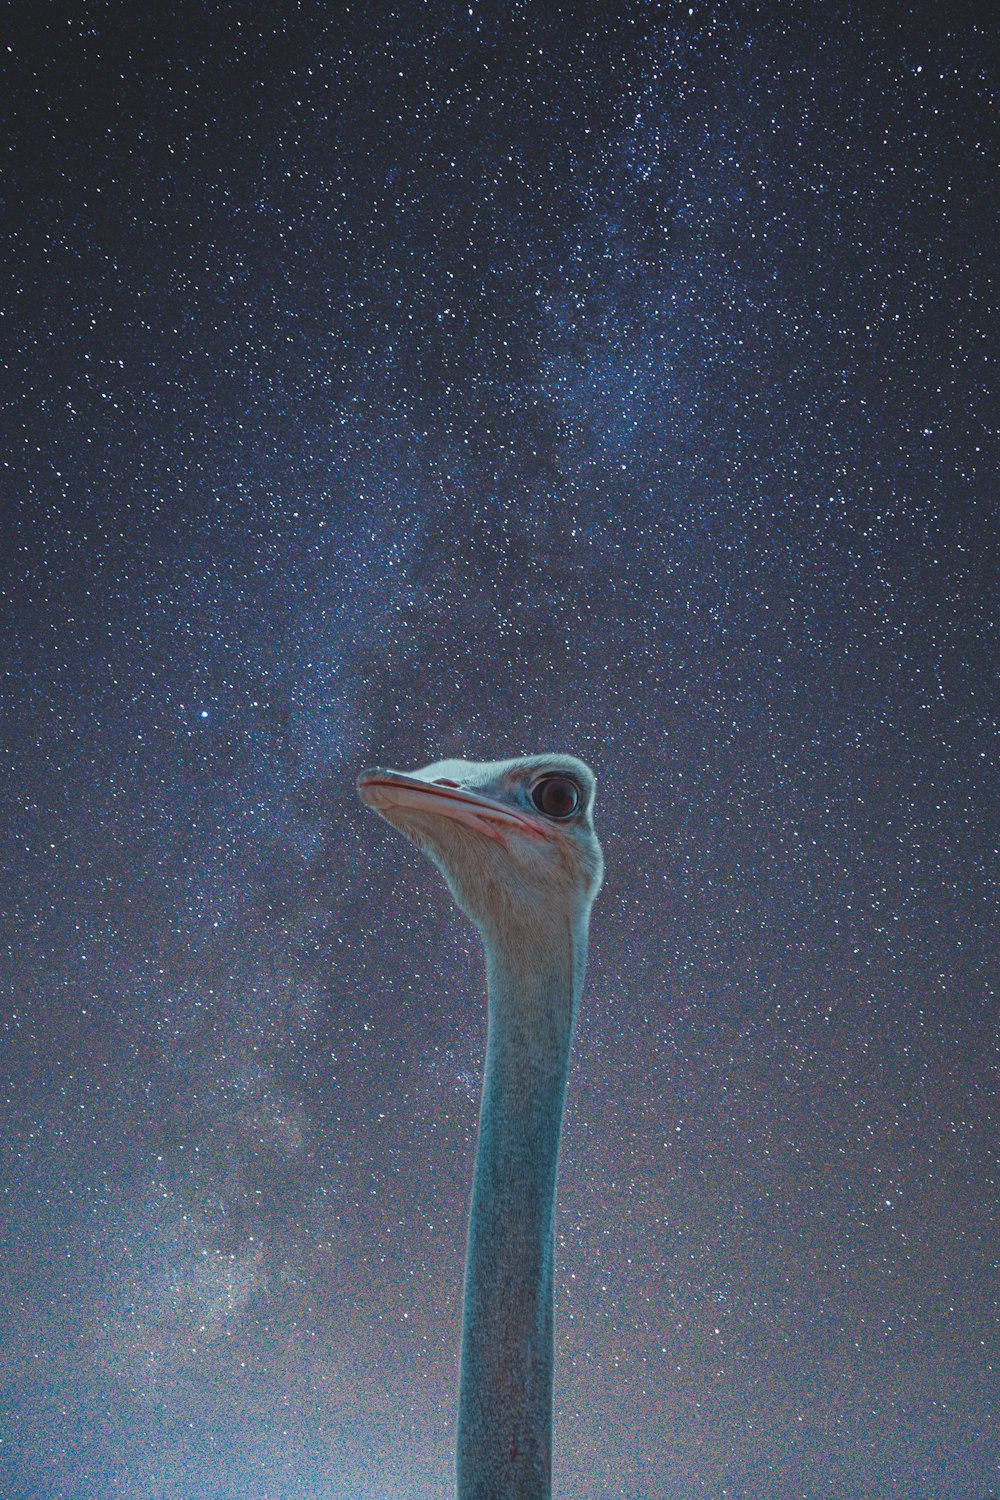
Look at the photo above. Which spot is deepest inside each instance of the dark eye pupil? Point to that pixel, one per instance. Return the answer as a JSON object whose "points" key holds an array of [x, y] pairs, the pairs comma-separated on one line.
{"points": [[557, 796]]}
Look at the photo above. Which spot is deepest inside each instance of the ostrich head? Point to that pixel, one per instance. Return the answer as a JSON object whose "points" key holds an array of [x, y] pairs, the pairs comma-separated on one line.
{"points": [[514, 839]]}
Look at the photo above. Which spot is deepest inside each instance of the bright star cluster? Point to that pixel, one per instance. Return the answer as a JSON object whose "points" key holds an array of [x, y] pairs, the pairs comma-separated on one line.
{"points": [[388, 382]]}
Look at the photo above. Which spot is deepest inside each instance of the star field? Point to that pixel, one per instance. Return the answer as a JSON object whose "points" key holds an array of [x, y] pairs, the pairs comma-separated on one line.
{"points": [[384, 383]]}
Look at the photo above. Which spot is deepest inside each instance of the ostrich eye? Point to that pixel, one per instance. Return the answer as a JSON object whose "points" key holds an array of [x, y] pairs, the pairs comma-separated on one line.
{"points": [[556, 796]]}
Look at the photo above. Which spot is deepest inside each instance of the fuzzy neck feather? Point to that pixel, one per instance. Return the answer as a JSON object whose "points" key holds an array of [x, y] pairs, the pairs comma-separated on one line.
{"points": [[505, 1390]]}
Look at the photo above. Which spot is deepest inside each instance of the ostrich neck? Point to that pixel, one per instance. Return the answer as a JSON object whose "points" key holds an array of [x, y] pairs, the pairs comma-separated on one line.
{"points": [[505, 1390]]}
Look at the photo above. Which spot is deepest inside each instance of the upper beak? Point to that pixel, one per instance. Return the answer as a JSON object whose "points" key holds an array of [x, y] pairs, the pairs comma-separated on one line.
{"points": [[384, 790]]}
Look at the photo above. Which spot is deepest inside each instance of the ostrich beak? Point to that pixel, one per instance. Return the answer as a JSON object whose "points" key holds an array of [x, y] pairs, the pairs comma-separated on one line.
{"points": [[386, 791]]}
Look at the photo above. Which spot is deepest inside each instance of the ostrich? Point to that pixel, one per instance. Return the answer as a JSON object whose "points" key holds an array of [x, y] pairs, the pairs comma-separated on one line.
{"points": [[515, 842]]}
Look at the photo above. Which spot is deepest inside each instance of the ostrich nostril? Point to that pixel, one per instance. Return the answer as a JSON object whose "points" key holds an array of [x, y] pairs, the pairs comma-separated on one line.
{"points": [[443, 781]]}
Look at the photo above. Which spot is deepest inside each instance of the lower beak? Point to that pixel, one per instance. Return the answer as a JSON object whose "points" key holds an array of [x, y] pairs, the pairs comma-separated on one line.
{"points": [[387, 790]]}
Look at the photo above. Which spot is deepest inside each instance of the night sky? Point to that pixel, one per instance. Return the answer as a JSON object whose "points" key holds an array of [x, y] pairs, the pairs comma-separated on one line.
{"points": [[384, 383]]}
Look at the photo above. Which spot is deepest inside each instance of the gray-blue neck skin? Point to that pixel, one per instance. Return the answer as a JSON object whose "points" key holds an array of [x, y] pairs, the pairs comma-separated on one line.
{"points": [[505, 1387]]}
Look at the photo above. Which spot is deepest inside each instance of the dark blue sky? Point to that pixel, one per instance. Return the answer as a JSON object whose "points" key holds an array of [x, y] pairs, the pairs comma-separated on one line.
{"points": [[387, 383]]}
